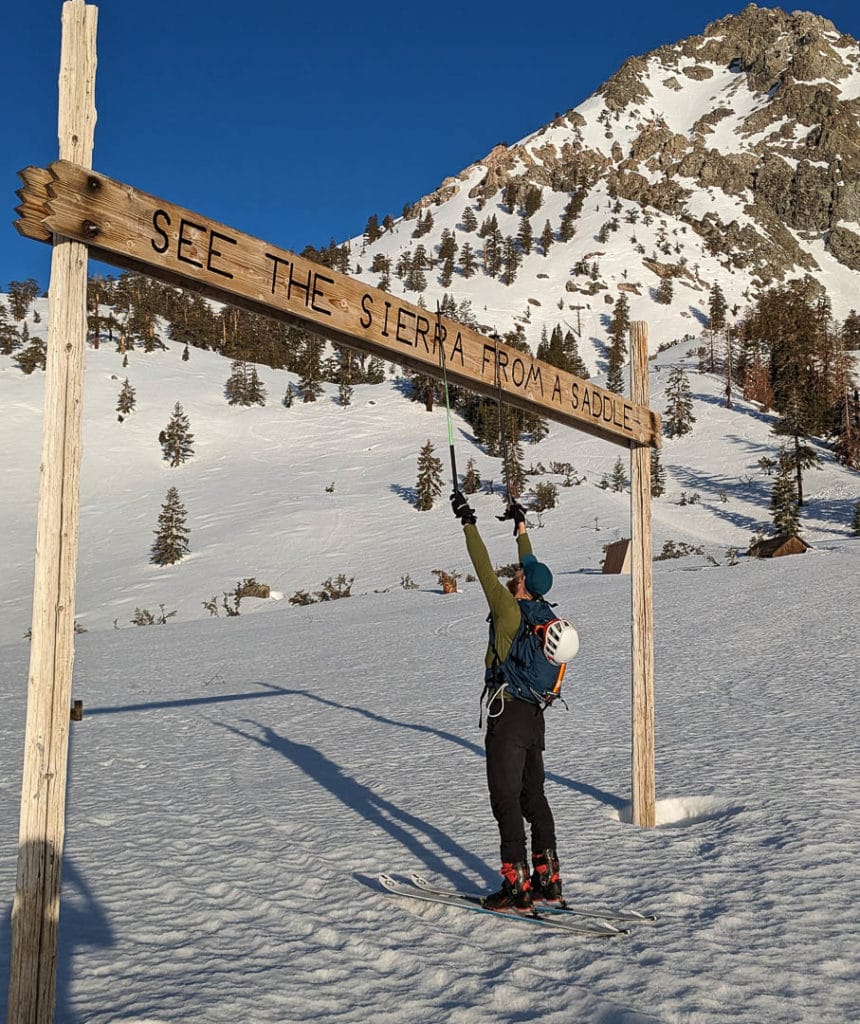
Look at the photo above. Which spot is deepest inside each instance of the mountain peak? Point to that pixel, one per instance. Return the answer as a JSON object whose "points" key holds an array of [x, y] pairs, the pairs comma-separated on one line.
{"points": [[743, 142]]}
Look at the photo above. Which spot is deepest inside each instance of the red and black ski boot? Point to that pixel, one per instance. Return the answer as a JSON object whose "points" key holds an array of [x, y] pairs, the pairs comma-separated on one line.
{"points": [[546, 880], [515, 894]]}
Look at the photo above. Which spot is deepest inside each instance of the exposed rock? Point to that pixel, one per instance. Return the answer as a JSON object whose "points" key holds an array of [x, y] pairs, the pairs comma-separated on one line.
{"points": [[698, 72], [626, 85], [845, 246], [792, 168]]}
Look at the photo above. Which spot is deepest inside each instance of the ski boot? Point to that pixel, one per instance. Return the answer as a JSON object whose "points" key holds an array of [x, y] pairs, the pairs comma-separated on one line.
{"points": [[545, 880], [515, 894]]}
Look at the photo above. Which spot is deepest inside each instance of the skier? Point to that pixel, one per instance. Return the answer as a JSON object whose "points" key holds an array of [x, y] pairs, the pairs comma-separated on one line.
{"points": [[514, 740]]}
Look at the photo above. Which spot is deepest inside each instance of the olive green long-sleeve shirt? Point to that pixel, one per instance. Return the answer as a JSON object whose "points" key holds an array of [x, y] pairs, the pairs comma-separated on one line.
{"points": [[503, 605]]}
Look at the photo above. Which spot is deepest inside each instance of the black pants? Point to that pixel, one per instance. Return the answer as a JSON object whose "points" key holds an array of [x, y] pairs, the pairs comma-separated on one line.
{"points": [[514, 744]]}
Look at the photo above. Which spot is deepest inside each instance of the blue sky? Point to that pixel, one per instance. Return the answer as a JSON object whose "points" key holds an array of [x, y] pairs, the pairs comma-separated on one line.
{"points": [[295, 122]]}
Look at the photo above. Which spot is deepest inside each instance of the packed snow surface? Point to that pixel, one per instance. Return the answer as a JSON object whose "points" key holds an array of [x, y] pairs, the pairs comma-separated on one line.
{"points": [[237, 784]]}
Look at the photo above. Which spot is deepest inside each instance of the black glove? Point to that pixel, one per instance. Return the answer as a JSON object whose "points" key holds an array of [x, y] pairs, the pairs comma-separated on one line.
{"points": [[462, 509], [516, 512]]}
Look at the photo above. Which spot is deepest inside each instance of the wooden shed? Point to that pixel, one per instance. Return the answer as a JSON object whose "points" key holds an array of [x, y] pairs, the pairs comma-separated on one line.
{"points": [[776, 547], [617, 558]]}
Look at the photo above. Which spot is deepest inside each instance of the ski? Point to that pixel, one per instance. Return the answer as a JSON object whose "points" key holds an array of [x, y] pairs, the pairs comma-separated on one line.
{"points": [[613, 917], [472, 903]]}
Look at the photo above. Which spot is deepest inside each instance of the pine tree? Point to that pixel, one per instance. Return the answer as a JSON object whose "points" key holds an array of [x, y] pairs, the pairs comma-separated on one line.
{"points": [[665, 292], [618, 328], [532, 201], [572, 211], [855, 521], [470, 221], [717, 308], [9, 337], [20, 297], [575, 360], [547, 237], [429, 484], [784, 505], [176, 438], [472, 479], [658, 474], [851, 330], [510, 261], [618, 479], [467, 260], [236, 386], [525, 236], [679, 411], [615, 369], [310, 370], [171, 537], [513, 468], [33, 353], [256, 389], [372, 230], [126, 401]]}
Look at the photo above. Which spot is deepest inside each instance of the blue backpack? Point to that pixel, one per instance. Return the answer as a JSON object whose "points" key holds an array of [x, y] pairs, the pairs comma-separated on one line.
{"points": [[525, 673]]}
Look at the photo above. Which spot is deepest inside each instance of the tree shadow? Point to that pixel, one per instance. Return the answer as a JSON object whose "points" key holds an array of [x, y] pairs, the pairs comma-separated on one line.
{"points": [[700, 315], [738, 405], [732, 488], [408, 494]]}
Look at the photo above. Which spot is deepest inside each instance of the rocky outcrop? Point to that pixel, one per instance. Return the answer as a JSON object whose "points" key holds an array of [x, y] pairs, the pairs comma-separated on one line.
{"points": [[845, 246], [794, 163]]}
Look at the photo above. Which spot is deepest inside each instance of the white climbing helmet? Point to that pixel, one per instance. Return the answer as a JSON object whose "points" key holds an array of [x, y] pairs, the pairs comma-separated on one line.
{"points": [[561, 642]]}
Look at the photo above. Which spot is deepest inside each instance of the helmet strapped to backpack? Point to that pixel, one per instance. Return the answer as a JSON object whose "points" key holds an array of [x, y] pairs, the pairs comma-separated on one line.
{"points": [[534, 666], [560, 641]]}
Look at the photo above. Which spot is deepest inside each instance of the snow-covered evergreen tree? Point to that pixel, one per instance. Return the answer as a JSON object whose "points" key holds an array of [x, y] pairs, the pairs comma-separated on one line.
{"points": [[472, 480], [679, 408], [127, 401], [176, 438], [171, 537], [429, 484], [784, 504], [658, 474]]}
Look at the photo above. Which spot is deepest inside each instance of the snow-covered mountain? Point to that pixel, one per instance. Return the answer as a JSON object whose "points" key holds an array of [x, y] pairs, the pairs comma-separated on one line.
{"points": [[731, 157]]}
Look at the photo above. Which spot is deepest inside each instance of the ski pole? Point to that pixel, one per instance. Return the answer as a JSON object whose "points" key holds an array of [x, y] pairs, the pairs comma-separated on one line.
{"points": [[503, 434], [442, 362]]}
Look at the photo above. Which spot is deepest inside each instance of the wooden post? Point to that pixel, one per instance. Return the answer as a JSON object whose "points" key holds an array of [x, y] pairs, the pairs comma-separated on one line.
{"points": [[35, 915], [644, 810]]}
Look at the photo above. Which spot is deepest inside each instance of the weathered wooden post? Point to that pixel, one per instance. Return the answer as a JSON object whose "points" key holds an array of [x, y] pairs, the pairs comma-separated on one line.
{"points": [[643, 785], [35, 915]]}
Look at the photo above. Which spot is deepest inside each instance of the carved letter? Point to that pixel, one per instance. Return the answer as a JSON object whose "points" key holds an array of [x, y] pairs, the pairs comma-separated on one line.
{"points": [[155, 218]]}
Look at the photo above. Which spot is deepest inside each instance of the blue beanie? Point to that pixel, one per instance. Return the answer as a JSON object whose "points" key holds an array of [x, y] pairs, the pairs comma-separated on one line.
{"points": [[538, 578]]}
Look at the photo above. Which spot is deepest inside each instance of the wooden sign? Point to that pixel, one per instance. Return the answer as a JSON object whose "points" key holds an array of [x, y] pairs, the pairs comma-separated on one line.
{"points": [[136, 231]]}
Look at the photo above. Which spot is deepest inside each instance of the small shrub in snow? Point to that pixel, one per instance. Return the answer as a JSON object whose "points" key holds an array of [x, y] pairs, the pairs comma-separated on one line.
{"points": [[447, 580], [144, 617], [679, 550]]}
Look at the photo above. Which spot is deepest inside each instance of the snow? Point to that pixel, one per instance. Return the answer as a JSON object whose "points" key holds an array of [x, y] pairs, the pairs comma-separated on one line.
{"points": [[237, 784]]}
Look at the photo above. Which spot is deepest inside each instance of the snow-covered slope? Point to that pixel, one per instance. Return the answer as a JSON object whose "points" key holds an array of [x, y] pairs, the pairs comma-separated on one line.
{"points": [[293, 497], [236, 785]]}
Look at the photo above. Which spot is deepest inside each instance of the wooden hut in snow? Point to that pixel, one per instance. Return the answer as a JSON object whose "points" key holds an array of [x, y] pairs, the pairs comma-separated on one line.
{"points": [[776, 547], [617, 558]]}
